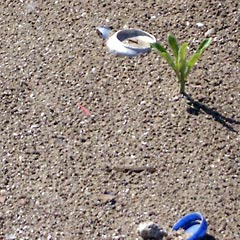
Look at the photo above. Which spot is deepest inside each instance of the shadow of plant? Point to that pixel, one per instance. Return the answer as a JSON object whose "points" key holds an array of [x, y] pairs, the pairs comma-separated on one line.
{"points": [[196, 107]]}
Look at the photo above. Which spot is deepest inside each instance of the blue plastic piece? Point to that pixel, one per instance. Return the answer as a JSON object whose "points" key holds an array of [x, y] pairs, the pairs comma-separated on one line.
{"points": [[194, 224]]}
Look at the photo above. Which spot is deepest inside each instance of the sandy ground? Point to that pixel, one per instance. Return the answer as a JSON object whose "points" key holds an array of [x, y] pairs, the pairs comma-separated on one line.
{"points": [[91, 144]]}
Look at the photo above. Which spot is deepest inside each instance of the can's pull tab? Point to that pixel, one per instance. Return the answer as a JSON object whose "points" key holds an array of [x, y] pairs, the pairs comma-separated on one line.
{"points": [[104, 32]]}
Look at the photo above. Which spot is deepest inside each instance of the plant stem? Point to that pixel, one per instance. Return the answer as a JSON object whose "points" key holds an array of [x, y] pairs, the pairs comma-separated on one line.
{"points": [[182, 85]]}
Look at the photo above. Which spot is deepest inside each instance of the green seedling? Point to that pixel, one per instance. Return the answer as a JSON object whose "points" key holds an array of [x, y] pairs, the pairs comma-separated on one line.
{"points": [[179, 62]]}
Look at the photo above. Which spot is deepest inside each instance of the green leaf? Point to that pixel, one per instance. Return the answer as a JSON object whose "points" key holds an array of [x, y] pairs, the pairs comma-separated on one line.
{"points": [[158, 47], [186, 71], [183, 51], [183, 70], [174, 45], [204, 44], [163, 52], [194, 58]]}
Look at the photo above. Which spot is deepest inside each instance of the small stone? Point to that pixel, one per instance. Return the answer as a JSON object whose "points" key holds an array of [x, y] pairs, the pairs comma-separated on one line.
{"points": [[10, 237], [3, 195], [209, 32], [106, 197], [150, 230], [199, 24]]}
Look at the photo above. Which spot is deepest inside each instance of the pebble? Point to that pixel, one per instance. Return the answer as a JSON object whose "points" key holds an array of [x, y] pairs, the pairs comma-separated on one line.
{"points": [[151, 230], [209, 32], [199, 24], [10, 237], [3, 195]]}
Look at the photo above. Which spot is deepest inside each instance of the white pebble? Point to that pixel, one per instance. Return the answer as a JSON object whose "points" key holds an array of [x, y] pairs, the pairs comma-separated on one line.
{"points": [[93, 70], [10, 236], [209, 32], [150, 230], [199, 24]]}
